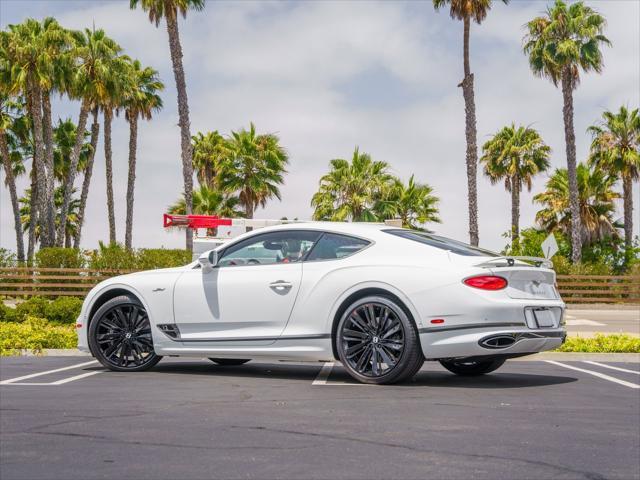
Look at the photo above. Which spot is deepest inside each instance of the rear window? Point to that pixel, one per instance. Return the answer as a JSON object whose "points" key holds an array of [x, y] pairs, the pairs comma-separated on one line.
{"points": [[443, 243], [333, 246]]}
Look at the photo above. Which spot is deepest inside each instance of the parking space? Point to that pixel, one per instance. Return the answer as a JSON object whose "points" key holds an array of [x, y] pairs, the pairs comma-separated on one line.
{"points": [[68, 418]]}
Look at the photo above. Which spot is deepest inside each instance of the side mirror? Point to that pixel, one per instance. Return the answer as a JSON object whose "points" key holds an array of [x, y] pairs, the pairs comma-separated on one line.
{"points": [[208, 260]]}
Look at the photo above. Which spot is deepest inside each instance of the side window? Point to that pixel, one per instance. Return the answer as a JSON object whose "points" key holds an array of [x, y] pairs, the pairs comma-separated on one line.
{"points": [[333, 246], [287, 246]]}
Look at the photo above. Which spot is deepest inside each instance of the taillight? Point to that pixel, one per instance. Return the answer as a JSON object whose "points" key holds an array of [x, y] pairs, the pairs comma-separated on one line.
{"points": [[486, 282]]}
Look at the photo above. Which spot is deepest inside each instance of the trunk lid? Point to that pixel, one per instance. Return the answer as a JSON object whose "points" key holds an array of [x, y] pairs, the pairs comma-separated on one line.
{"points": [[528, 282]]}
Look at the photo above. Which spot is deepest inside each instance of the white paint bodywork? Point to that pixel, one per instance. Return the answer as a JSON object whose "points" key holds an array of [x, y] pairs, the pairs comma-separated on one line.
{"points": [[234, 312]]}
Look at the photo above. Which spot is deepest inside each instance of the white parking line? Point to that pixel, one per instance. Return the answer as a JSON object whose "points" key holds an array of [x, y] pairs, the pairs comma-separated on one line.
{"points": [[322, 377], [612, 367], [12, 381], [583, 322], [595, 374]]}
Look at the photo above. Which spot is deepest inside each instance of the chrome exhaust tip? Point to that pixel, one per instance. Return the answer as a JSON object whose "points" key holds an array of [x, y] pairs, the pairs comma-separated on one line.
{"points": [[496, 342]]}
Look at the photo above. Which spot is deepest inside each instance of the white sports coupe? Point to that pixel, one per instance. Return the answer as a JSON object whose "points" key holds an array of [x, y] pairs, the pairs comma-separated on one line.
{"points": [[379, 299]]}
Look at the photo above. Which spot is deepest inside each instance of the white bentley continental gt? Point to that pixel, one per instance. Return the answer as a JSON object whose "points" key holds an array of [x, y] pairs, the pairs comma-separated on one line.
{"points": [[379, 299]]}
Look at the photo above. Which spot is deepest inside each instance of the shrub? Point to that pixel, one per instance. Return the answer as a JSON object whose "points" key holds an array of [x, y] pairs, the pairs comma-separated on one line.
{"points": [[617, 343], [112, 256], [63, 310], [34, 307], [7, 314], [58, 257], [35, 334], [7, 258], [150, 258]]}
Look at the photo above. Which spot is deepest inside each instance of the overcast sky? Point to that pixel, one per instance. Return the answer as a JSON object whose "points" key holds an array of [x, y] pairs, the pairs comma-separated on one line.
{"points": [[327, 76]]}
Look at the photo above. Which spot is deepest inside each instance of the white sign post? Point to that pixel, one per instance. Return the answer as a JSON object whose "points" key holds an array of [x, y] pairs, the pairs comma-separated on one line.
{"points": [[549, 246]]}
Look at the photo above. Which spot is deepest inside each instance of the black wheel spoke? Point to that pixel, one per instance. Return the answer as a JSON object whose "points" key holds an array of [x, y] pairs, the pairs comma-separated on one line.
{"points": [[372, 339], [123, 336]]}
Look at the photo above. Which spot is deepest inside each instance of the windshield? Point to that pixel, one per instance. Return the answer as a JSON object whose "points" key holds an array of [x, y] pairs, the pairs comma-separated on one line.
{"points": [[442, 243]]}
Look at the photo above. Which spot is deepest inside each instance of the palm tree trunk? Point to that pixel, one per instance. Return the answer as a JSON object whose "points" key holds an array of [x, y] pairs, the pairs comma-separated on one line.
{"points": [[183, 113], [570, 140], [108, 160], [627, 194], [49, 214], [95, 132], [39, 197], [131, 179], [73, 167], [33, 215], [471, 135], [515, 210], [11, 184], [67, 240]]}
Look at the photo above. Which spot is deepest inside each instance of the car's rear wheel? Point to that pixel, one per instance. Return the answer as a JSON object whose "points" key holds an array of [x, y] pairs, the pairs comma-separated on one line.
{"points": [[229, 362], [377, 342], [472, 368], [120, 336]]}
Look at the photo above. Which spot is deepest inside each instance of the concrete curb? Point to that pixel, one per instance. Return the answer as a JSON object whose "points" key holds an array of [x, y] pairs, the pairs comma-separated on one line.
{"points": [[538, 357], [579, 357]]}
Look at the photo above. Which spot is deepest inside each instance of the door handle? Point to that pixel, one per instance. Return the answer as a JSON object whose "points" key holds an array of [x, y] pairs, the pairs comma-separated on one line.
{"points": [[280, 285]]}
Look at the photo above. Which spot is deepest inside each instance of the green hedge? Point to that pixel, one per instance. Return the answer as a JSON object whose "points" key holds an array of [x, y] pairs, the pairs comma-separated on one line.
{"points": [[616, 343], [60, 310], [35, 334], [106, 257]]}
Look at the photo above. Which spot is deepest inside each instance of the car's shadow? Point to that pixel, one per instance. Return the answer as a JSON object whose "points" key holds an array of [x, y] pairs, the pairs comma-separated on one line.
{"points": [[338, 376]]}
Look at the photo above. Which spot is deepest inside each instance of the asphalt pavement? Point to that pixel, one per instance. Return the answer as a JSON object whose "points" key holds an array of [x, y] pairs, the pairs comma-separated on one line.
{"points": [[68, 418], [585, 321]]}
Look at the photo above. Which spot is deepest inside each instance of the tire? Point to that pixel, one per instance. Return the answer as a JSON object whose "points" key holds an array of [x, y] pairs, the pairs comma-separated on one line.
{"points": [[377, 341], [120, 336], [472, 369], [229, 362]]}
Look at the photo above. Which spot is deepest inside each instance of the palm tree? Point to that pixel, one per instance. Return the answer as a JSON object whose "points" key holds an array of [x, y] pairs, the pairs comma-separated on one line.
{"points": [[168, 9], [86, 181], [139, 102], [351, 190], [467, 10], [616, 150], [596, 201], [64, 137], [515, 155], [92, 83], [256, 168], [120, 83], [71, 225], [413, 203], [6, 122], [210, 151], [207, 201], [26, 47], [564, 41]]}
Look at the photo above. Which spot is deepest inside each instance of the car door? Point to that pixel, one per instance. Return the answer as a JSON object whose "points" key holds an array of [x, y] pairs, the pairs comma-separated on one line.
{"points": [[249, 295]]}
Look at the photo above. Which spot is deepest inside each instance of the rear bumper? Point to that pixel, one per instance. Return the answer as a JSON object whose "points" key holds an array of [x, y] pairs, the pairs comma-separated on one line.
{"points": [[486, 341]]}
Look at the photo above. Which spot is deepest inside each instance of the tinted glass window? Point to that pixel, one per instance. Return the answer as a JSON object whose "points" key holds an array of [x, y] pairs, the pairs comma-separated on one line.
{"points": [[275, 247], [443, 243], [333, 246]]}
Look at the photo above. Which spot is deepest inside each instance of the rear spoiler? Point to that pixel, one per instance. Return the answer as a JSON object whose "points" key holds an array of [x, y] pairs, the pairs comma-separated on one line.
{"points": [[511, 261]]}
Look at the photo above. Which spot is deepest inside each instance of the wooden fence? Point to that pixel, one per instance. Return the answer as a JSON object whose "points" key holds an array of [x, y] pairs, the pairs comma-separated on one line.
{"points": [[599, 288], [53, 282]]}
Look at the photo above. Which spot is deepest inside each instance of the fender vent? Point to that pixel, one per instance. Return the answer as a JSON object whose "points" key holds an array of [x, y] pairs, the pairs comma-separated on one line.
{"points": [[498, 341], [170, 330]]}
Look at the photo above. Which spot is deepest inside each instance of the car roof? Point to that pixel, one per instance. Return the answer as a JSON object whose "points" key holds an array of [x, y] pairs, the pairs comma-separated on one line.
{"points": [[356, 228]]}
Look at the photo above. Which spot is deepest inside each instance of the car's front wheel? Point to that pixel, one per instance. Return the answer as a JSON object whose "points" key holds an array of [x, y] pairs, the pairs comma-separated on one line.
{"points": [[472, 368], [120, 336], [377, 341], [229, 362]]}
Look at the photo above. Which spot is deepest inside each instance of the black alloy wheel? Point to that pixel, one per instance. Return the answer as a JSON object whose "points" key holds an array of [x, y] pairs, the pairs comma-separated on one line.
{"points": [[120, 336], [377, 342]]}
